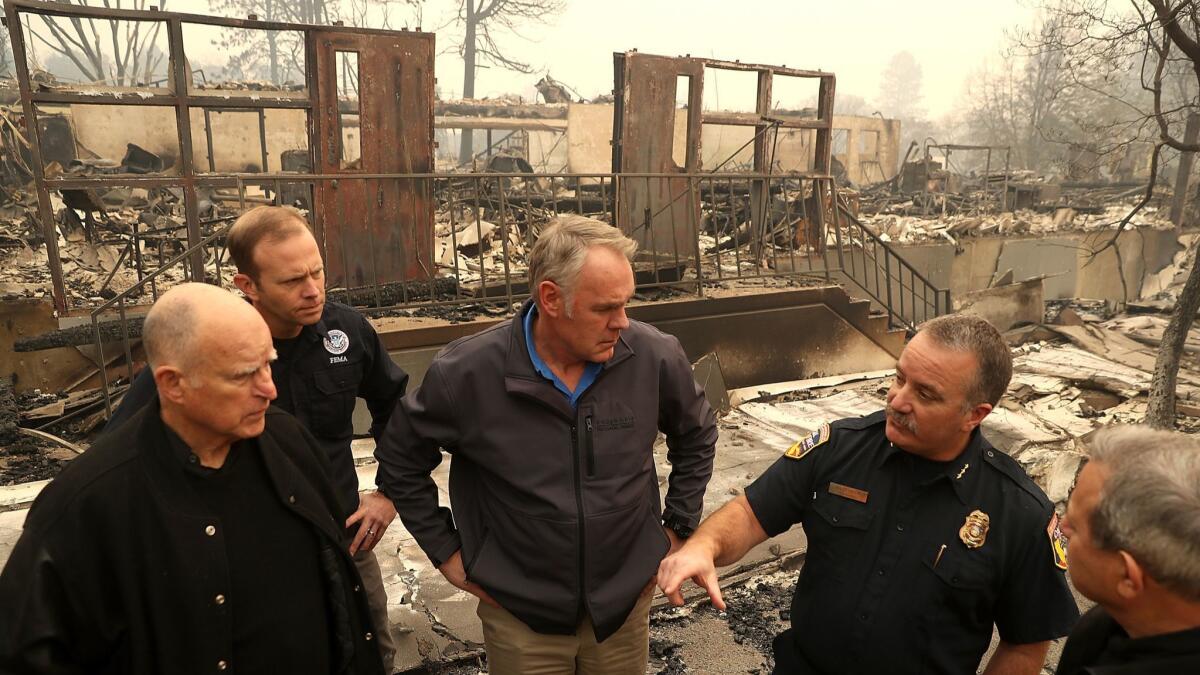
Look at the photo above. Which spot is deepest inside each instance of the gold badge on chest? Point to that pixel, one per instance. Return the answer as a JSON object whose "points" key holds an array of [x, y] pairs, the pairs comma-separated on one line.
{"points": [[974, 531]]}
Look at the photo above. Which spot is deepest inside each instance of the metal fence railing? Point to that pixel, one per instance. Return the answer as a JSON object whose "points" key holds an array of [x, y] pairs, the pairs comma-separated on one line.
{"points": [[695, 231], [905, 294]]}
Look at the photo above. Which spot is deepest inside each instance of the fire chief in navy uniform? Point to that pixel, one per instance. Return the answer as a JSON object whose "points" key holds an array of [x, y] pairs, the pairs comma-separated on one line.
{"points": [[921, 535]]}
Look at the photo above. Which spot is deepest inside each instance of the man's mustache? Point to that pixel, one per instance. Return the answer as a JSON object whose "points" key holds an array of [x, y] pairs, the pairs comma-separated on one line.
{"points": [[901, 419]]}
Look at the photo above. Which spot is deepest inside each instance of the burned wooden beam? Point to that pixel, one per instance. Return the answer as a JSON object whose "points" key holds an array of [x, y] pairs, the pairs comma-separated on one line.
{"points": [[397, 293], [77, 336], [383, 295], [502, 123], [492, 109], [588, 204]]}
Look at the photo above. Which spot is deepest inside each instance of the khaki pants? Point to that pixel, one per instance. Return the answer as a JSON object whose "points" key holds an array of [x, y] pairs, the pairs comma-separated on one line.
{"points": [[372, 580], [514, 649]]}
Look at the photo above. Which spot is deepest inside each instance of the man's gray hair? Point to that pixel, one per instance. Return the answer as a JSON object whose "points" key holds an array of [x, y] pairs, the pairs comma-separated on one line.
{"points": [[562, 247], [967, 333], [1149, 504]]}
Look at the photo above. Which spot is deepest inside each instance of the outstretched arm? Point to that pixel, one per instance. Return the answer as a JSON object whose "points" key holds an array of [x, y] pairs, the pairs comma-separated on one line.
{"points": [[722, 539]]}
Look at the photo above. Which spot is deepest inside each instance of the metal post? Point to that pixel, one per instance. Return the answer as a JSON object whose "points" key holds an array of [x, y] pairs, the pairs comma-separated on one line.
{"points": [[183, 123], [887, 275], [45, 211], [208, 136], [946, 186], [987, 183], [262, 140], [694, 227], [1007, 154]]}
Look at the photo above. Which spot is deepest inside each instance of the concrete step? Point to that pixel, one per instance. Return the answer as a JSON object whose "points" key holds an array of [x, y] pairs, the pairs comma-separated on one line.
{"points": [[857, 312]]}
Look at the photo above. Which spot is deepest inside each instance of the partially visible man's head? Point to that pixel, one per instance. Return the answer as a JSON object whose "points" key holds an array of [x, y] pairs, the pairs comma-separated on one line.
{"points": [[1133, 520], [210, 353], [949, 377], [279, 267], [581, 279]]}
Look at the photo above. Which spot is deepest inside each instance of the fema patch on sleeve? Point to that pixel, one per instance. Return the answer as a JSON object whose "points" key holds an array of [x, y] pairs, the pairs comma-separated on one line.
{"points": [[805, 445], [1058, 542], [336, 342]]}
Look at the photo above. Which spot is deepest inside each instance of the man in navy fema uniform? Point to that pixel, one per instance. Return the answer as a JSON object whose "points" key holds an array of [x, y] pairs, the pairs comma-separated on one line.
{"points": [[921, 535], [328, 355]]}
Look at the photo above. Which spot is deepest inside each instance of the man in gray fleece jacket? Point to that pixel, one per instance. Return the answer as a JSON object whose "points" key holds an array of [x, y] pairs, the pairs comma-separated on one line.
{"points": [[551, 419]]}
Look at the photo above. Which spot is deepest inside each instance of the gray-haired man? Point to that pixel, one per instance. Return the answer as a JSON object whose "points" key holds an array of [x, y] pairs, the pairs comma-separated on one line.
{"points": [[204, 536], [1134, 524], [551, 418]]}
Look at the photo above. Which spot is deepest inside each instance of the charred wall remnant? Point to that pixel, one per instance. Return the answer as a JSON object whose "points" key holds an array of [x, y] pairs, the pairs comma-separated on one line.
{"points": [[385, 225], [984, 191], [375, 230], [647, 129]]}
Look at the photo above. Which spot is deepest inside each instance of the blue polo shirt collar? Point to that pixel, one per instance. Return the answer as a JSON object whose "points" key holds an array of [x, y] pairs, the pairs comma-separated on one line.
{"points": [[590, 370]]}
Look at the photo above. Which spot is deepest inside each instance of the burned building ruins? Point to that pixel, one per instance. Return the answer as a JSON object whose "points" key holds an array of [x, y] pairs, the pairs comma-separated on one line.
{"points": [[792, 250]]}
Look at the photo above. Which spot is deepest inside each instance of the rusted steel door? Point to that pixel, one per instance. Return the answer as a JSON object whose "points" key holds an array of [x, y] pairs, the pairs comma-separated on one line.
{"points": [[373, 230], [660, 213]]}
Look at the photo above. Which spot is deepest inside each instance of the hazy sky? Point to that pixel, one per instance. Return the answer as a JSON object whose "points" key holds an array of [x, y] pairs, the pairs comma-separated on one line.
{"points": [[854, 40]]}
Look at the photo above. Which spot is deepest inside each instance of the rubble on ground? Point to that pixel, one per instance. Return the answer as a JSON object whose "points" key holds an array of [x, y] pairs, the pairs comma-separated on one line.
{"points": [[122, 236], [698, 638], [925, 202], [24, 456], [41, 431], [910, 229]]}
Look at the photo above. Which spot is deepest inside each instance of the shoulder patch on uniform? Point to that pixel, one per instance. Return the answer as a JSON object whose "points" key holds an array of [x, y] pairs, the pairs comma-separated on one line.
{"points": [[805, 445], [1058, 542]]}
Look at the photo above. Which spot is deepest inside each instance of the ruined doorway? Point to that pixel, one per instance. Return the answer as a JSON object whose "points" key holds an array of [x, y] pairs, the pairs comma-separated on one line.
{"points": [[661, 121], [655, 126], [373, 115]]}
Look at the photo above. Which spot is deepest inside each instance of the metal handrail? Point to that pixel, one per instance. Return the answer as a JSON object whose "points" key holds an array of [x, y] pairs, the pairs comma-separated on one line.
{"points": [[119, 300], [898, 315]]}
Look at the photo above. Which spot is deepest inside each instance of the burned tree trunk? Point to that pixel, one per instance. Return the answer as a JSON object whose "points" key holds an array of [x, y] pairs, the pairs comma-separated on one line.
{"points": [[1160, 412]]}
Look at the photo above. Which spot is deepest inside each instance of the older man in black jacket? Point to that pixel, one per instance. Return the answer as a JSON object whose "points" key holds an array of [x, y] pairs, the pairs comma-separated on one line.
{"points": [[551, 418], [203, 536], [1134, 524], [327, 355]]}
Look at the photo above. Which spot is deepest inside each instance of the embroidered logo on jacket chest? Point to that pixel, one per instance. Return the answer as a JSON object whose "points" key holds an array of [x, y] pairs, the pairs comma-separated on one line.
{"points": [[614, 423], [336, 342]]}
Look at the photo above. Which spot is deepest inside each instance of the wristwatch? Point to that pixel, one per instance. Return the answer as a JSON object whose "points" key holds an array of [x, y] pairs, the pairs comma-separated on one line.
{"points": [[681, 530]]}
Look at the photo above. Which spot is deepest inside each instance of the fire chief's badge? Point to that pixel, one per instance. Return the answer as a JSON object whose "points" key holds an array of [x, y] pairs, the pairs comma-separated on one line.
{"points": [[1058, 542], [974, 531], [805, 445]]}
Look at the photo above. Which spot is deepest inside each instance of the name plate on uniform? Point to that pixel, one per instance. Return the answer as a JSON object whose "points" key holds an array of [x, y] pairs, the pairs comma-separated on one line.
{"points": [[848, 492]]}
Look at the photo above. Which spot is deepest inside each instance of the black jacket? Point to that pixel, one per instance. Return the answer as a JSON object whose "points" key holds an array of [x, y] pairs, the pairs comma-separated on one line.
{"points": [[115, 569], [556, 509], [318, 381], [1099, 646]]}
